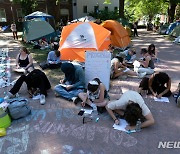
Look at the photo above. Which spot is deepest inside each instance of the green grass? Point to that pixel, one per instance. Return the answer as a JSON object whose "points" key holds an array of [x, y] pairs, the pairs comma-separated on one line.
{"points": [[54, 75]]}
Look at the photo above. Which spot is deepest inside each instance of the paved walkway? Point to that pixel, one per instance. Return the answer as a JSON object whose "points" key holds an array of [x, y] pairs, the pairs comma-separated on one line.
{"points": [[55, 128]]}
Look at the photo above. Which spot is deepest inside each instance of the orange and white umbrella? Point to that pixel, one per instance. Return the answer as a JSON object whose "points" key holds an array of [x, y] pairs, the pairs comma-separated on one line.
{"points": [[80, 37]]}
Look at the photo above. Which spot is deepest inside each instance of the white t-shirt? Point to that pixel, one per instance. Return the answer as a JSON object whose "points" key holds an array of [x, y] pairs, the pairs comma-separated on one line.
{"points": [[123, 102], [13, 27]]}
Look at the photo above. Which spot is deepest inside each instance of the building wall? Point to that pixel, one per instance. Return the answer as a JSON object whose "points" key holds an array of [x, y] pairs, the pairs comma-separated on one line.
{"points": [[78, 6]]}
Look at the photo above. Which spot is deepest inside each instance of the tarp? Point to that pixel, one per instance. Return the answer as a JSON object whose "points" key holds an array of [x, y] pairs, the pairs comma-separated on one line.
{"points": [[119, 35], [36, 29], [176, 31], [172, 26], [37, 14], [79, 37]]}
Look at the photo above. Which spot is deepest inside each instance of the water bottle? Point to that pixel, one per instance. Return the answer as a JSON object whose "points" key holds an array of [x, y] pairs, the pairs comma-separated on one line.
{"points": [[138, 125], [95, 116]]}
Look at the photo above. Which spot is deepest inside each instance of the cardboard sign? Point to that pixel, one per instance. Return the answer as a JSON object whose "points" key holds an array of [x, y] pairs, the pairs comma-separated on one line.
{"points": [[98, 65]]}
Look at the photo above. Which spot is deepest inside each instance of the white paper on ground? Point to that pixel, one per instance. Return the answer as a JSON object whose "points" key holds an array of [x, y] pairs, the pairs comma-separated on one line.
{"points": [[87, 111], [162, 99], [121, 126], [126, 70]]}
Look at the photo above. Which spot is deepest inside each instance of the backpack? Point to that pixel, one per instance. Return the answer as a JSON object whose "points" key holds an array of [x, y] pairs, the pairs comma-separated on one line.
{"points": [[18, 108]]}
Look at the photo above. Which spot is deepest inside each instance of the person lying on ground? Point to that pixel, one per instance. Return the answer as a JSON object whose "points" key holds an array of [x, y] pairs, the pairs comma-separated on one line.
{"points": [[72, 84], [159, 85], [118, 69], [96, 95], [35, 80], [24, 60], [144, 65], [132, 107]]}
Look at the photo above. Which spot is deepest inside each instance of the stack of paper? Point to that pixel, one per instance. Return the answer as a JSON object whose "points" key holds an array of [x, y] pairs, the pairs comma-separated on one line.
{"points": [[162, 99]]}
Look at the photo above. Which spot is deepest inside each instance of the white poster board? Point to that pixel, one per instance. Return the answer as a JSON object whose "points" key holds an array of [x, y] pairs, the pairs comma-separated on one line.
{"points": [[98, 65]]}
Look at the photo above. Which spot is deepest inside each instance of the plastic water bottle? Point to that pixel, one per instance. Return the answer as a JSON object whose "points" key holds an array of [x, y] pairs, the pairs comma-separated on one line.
{"points": [[95, 116], [138, 125]]}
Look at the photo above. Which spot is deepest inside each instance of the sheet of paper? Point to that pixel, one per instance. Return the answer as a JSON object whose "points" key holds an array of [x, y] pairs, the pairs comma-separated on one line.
{"points": [[87, 111], [126, 70], [122, 126], [20, 70], [162, 99]]}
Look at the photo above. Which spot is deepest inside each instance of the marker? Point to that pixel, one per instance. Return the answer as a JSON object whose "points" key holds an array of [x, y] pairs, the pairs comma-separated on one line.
{"points": [[131, 131]]}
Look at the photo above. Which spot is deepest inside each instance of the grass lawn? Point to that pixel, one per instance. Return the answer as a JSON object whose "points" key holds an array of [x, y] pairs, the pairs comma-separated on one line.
{"points": [[54, 75]]}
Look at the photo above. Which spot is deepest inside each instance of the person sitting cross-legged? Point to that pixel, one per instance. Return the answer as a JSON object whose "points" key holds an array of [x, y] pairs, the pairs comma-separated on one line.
{"points": [[72, 84]]}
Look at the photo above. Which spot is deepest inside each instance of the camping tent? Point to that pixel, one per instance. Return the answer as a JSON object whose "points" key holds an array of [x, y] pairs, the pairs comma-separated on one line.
{"points": [[172, 26], [163, 29], [38, 14], [84, 19], [36, 29], [119, 35], [176, 31], [80, 37], [124, 22]]}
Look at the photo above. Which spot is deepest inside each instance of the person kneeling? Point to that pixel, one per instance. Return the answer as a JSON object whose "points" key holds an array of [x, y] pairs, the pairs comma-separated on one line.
{"points": [[132, 107]]}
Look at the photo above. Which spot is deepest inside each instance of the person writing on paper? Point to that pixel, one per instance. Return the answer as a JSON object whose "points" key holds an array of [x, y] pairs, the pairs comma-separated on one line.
{"points": [[159, 85], [72, 84], [144, 65], [132, 107], [96, 96], [118, 69], [35, 80], [24, 60]]}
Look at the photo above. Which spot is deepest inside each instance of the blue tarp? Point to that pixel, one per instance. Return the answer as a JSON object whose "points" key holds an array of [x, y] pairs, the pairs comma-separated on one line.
{"points": [[172, 26]]}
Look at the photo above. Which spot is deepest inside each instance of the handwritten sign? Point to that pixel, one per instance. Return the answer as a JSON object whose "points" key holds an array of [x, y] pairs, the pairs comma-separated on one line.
{"points": [[98, 65]]}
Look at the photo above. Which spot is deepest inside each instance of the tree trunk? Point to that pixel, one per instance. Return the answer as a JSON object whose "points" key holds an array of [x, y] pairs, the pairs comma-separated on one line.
{"points": [[121, 8], [171, 11]]}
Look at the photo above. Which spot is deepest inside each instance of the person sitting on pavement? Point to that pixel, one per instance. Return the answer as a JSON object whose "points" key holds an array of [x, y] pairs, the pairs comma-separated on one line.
{"points": [[159, 85], [118, 69], [153, 52], [144, 65], [35, 80], [132, 107], [24, 61], [96, 95], [72, 84]]}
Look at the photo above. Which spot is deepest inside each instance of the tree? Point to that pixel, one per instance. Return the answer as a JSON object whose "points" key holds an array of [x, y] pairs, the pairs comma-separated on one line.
{"points": [[121, 8], [171, 9], [28, 6]]}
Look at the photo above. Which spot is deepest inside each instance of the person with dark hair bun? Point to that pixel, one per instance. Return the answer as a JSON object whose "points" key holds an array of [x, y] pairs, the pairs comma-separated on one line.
{"points": [[159, 85], [96, 95], [132, 107]]}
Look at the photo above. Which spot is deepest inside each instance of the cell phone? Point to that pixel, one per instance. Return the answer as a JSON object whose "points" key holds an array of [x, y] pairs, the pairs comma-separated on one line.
{"points": [[81, 113]]}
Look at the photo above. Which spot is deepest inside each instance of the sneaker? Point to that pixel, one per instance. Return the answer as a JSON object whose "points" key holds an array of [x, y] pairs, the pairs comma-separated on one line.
{"points": [[75, 100], [42, 99], [9, 95], [178, 101], [141, 75]]}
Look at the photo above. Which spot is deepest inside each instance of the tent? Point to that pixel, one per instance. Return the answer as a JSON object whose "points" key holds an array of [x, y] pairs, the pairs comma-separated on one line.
{"points": [[84, 19], [38, 14], [36, 29], [172, 26], [79, 37], [163, 29], [124, 22], [119, 35], [176, 31]]}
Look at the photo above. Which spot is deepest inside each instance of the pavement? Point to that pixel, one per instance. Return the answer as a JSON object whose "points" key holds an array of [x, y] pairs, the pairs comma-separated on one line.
{"points": [[55, 128]]}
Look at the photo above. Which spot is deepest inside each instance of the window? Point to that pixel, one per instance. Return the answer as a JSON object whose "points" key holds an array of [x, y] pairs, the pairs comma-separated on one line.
{"points": [[115, 9], [84, 9], [106, 8], [96, 9], [3, 15]]}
